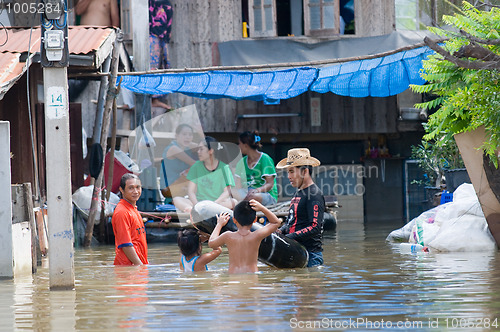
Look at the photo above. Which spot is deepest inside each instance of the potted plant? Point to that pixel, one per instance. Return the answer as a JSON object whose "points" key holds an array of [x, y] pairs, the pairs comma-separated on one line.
{"points": [[438, 159], [465, 75]]}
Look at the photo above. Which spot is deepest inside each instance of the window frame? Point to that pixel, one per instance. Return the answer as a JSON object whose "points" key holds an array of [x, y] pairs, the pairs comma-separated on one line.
{"points": [[265, 31], [322, 31], [306, 12]]}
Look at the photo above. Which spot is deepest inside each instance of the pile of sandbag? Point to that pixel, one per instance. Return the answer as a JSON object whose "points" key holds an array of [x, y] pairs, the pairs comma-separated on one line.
{"points": [[459, 225]]}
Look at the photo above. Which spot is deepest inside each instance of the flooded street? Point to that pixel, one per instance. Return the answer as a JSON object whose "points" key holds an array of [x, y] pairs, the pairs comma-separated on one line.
{"points": [[365, 283]]}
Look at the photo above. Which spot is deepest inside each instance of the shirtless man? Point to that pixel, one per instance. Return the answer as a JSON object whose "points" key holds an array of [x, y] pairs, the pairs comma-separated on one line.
{"points": [[243, 245], [98, 12]]}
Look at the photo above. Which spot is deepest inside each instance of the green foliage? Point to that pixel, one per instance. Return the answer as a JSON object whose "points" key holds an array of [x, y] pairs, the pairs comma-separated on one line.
{"points": [[469, 98], [435, 157]]}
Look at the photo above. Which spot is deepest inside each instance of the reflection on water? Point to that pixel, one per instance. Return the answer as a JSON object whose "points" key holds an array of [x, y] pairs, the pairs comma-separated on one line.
{"points": [[365, 283]]}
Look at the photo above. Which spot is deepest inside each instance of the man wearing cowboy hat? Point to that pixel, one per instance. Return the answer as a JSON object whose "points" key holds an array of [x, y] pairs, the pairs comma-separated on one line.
{"points": [[305, 216]]}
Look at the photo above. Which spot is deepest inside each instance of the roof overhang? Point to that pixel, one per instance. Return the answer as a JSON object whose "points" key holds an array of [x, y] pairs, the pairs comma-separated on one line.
{"points": [[88, 48]]}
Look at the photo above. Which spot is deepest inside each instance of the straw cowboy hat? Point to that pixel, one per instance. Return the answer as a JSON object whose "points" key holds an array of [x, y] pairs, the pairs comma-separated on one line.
{"points": [[298, 157]]}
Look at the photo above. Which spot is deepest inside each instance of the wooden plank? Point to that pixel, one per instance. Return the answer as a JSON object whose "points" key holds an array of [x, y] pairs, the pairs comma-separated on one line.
{"points": [[374, 18], [75, 127], [20, 140], [156, 134], [28, 199], [23, 212]]}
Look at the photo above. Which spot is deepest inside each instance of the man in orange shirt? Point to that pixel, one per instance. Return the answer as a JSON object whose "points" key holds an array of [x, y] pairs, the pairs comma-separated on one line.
{"points": [[131, 247]]}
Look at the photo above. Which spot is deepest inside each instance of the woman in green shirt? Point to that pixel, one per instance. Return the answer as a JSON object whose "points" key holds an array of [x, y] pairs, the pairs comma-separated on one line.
{"points": [[209, 178], [259, 170]]}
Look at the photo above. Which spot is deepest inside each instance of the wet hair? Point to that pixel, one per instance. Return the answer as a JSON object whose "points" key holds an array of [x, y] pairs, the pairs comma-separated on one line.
{"points": [[182, 126], [125, 177], [252, 139], [188, 241], [244, 214]]}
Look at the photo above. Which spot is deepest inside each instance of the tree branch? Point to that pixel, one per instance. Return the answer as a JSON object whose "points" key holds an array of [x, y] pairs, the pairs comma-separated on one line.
{"points": [[477, 52], [484, 4], [477, 65], [479, 40]]}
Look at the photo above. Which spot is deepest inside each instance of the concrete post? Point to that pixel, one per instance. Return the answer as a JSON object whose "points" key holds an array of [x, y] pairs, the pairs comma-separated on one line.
{"points": [[23, 230], [6, 266], [60, 225]]}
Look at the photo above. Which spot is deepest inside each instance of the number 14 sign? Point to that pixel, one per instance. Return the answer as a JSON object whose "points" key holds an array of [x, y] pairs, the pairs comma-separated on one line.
{"points": [[57, 104]]}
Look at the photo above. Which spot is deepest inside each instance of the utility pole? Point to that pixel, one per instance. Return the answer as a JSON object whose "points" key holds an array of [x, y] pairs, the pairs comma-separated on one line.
{"points": [[55, 59]]}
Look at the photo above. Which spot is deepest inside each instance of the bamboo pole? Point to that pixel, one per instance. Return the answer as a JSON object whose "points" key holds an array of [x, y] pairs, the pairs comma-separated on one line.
{"points": [[110, 96], [112, 152], [102, 228]]}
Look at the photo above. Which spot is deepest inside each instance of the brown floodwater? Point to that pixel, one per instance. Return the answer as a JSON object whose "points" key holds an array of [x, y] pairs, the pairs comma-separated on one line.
{"points": [[365, 283]]}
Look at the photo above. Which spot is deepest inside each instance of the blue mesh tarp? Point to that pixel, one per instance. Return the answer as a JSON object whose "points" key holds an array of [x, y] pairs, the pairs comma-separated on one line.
{"points": [[378, 77], [267, 86]]}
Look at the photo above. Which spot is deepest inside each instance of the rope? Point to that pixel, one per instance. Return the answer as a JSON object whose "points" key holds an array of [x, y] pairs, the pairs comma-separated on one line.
{"points": [[165, 219], [265, 66]]}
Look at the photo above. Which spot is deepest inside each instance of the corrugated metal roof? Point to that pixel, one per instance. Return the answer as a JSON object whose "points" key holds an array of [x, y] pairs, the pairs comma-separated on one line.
{"points": [[8, 64], [18, 40], [82, 40]]}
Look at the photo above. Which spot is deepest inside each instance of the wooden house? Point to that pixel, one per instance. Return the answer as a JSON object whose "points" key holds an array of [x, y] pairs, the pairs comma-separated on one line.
{"points": [[21, 94], [337, 129]]}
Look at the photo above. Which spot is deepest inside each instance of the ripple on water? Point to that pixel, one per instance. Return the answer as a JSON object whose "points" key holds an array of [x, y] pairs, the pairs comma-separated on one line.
{"points": [[363, 276]]}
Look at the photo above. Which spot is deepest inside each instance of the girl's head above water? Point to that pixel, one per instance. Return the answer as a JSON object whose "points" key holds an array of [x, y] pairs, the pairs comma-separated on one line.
{"points": [[188, 241]]}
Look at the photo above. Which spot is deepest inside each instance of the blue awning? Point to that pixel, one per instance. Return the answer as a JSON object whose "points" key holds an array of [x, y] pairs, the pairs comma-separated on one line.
{"points": [[380, 77], [267, 86], [377, 76]]}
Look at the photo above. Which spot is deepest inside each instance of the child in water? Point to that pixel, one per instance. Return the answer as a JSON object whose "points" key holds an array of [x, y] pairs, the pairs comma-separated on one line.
{"points": [[191, 259], [243, 245]]}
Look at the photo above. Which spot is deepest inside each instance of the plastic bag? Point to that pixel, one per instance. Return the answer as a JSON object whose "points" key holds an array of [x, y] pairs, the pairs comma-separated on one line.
{"points": [[146, 140], [455, 226], [82, 199]]}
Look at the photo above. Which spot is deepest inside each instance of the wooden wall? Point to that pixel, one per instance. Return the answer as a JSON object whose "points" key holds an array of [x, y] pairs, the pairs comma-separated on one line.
{"points": [[339, 115], [374, 17], [199, 24], [14, 108]]}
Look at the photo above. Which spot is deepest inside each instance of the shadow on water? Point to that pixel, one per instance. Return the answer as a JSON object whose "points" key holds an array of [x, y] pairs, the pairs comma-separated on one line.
{"points": [[366, 283]]}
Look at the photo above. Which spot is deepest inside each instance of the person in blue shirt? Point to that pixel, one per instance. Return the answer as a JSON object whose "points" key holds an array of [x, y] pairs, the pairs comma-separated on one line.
{"points": [[190, 245], [178, 157]]}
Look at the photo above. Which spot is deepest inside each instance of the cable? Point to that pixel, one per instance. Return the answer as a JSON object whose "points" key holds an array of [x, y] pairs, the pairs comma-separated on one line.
{"points": [[6, 33]]}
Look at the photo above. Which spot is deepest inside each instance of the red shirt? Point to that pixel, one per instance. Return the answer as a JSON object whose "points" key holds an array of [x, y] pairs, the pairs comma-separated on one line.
{"points": [[129, 231]]}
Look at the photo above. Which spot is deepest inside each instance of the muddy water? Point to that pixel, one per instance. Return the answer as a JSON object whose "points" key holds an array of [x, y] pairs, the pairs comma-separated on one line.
{"points": [[365, 283]]}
